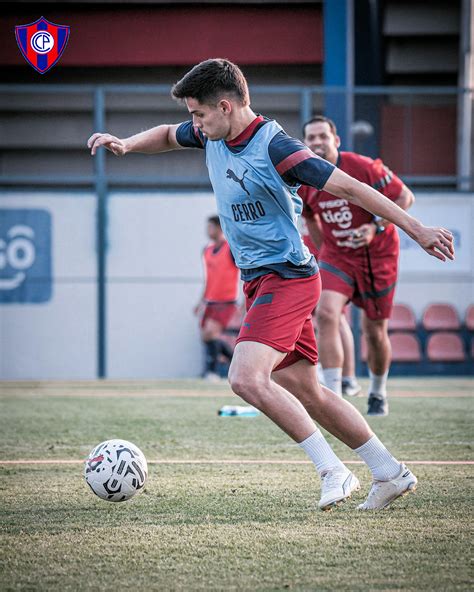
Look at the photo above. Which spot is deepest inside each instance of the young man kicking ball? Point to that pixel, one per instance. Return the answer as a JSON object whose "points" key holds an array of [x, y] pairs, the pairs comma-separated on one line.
{"points": [[255, 170]]}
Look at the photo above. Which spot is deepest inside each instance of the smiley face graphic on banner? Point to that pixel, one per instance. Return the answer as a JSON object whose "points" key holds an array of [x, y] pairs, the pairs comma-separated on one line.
{"points": [[42, 43]]}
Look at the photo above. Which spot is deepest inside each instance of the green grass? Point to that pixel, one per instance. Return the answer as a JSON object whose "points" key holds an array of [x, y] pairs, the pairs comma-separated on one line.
{"points": [[218, 526]]}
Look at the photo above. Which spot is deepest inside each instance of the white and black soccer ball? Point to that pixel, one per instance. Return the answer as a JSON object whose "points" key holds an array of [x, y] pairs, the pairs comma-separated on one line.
{"points": [[116, 470]]}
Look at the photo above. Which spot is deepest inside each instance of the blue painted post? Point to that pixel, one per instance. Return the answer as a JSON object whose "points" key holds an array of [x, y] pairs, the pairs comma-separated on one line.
{"points": [[338, 71], [100, 184], [305, 107], [338, 65]]}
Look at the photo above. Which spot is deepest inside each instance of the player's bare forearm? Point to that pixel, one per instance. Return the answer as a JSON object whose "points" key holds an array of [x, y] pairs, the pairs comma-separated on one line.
{"points": [[405, 200], [435, 241], [342, 185], [157, 139]]}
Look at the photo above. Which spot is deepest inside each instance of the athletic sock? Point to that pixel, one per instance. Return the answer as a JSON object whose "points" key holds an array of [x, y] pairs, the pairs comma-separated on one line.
{"points": [[379, 460], [212, 351], [225, 349], [321, 453], [378, 384], [333, 379]]}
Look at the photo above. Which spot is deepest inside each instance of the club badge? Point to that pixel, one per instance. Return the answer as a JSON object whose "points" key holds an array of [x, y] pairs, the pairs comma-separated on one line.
{"points": [[42, 43]]}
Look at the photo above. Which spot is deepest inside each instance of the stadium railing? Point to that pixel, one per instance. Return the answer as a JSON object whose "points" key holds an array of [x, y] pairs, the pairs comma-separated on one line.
{"points": [[371, 115]]}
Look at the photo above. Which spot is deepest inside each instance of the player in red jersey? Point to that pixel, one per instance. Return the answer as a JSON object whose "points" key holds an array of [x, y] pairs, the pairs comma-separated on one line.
{"points": [[219, 301], [311, 233], [358, 259]]}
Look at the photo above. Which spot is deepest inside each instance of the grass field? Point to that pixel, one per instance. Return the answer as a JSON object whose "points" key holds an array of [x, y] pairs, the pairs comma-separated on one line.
{"points": [[215, 513]]}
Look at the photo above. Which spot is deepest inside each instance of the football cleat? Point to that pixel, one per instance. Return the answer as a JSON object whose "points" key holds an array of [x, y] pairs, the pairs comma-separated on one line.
{"points": [[383, 493], [350, 388], [337, 486], [212, 377], [377, 405]]}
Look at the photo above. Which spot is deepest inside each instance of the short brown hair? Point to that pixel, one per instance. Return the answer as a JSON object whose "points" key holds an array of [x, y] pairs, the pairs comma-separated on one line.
{"points": [[214, 220], [211, 79], [321, 119]]}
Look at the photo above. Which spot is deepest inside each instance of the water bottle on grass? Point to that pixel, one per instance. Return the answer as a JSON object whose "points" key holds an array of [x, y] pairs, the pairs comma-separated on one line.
{"points": [[238, 411]]}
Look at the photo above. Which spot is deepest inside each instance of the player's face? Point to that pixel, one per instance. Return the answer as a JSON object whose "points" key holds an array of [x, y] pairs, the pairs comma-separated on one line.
{"points": [[213, 231], [213, 121], [322, 141]]}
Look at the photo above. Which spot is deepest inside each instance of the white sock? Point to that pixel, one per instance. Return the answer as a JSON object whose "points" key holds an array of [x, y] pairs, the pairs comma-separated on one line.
{"points": [[378, 384], [321, 453], [351, 380], [333, 379], [379, 460]]}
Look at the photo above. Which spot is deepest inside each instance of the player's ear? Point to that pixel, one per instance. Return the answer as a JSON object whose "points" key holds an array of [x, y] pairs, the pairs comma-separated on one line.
{"points": [[338, 141], [225, 106]]}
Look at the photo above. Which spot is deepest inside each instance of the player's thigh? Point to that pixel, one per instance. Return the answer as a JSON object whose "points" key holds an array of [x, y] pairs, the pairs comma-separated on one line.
{"points": [[299, 376], [300, 379], [211, 329], [330, 306], [252, 364]]}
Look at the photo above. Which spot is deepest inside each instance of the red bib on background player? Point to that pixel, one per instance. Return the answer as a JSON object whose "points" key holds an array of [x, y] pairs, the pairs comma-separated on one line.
{"points": [[222, 276]]}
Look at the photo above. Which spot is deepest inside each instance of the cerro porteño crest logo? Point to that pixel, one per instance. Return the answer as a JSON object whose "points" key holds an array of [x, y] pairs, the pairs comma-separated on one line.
{"points": [[42, 43]]}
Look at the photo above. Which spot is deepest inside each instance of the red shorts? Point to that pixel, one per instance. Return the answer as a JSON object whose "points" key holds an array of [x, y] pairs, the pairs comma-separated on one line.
{"points": [[279, 315], [367, 280], [221, 312]]}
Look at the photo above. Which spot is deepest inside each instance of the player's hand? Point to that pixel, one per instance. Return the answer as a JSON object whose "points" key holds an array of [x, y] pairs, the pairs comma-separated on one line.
{"points": [[198, 309], [360, 237], [110, 142], [437, 242], [363, 236]]}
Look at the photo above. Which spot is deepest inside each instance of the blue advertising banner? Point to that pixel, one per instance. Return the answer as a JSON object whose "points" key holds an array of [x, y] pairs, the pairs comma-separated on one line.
{"points": [[25, 256]]}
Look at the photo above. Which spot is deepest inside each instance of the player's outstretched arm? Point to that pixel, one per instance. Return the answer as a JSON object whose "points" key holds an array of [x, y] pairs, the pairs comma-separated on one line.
{"points": [[157, 139], [438, 242]]}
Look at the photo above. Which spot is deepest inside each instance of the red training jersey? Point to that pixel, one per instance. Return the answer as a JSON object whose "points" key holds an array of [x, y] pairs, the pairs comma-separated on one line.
{"points": [[222, 276], [340, 217], [308, 241]]}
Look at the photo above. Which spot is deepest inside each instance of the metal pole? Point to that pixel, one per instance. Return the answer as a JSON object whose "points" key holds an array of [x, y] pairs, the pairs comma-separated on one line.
{"points": [[465, 98], [100, 184], [305, 107], [357, 332], [350, 47], [349, 73]]}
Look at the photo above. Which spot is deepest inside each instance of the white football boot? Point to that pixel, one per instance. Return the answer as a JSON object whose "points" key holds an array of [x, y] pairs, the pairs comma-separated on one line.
{"points": [[351, 388], [337, 485], [383, 493]]}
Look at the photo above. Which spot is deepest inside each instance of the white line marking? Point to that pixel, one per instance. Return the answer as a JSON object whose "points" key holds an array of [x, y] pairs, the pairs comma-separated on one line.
{"points": [[227, 462]]}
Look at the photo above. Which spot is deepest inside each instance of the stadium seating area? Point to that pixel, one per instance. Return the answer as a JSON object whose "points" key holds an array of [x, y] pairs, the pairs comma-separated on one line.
{"points": [[440, 342]]}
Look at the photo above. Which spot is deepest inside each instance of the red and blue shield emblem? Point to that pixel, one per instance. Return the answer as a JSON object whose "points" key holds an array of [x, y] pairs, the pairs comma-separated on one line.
{"points": [[42, 43]]}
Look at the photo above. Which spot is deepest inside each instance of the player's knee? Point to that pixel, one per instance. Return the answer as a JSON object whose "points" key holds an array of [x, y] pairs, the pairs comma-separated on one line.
{"points": [[325, 316], [376, 333], [251, 388], [207, 335]]}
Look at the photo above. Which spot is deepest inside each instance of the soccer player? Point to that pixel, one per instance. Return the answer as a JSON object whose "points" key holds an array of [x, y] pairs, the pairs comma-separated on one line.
{"points": [[255, 170], [312, 234], [358, 259], [219, 301]]}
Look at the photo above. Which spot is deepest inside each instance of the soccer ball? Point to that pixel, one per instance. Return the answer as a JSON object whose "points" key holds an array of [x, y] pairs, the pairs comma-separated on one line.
{"points": [[116, 470]]}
